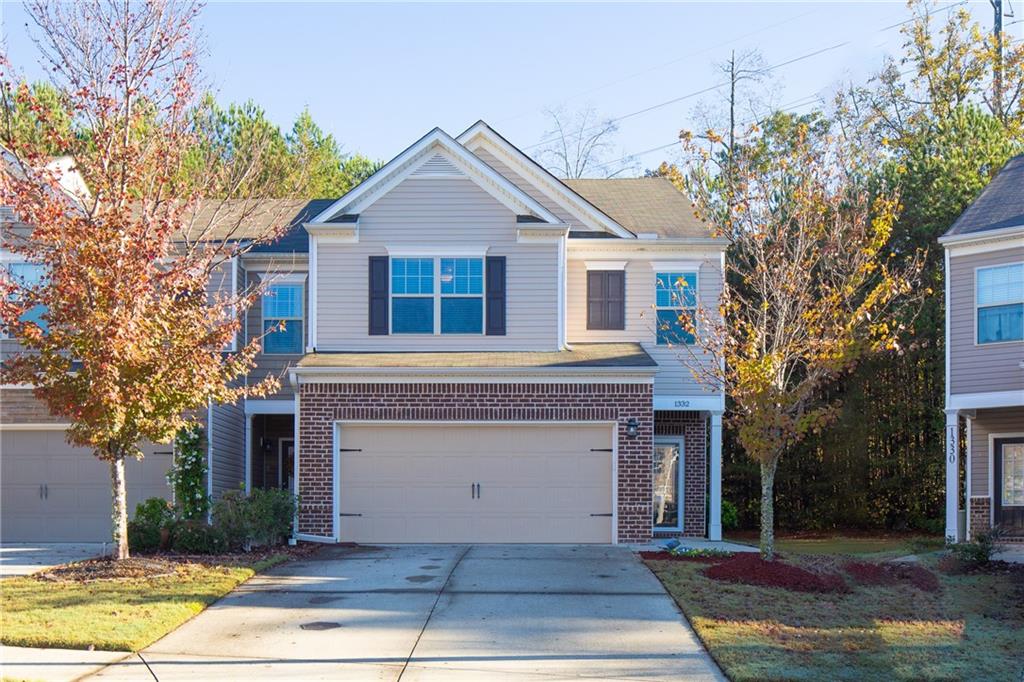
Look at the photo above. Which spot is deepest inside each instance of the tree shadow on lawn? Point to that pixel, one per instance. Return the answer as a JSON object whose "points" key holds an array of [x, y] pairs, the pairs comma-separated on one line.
{"points": [[972, 628]]}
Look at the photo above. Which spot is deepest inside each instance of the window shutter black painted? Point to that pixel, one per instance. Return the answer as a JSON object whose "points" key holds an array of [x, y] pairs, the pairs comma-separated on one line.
{"points": [[606, 299], [496, 296], [378, 295]]}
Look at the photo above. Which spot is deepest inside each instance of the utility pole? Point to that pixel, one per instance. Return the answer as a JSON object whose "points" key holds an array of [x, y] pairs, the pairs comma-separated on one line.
{"points": [[997, 68]]}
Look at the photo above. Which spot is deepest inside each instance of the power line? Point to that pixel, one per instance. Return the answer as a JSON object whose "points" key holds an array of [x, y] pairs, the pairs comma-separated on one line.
{"points": [[690, 95]]}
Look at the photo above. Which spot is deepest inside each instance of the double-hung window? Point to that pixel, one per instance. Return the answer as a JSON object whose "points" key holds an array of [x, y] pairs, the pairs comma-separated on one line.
{"points": [[28, 276], [675, 301], [1000, 303], [437, 295], [282, 318]]}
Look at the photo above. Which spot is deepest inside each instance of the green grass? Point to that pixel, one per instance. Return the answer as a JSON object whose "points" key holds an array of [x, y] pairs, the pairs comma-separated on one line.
{"points": [[112, 615], [876, 546], [972, 629]]}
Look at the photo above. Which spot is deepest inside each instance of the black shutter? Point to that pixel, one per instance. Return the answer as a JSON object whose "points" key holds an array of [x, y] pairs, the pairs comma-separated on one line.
{"points": [[496, 296], [606, 299], [378, 295]]}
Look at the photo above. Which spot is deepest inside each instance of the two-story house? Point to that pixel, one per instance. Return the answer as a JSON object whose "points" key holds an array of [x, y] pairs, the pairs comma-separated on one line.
{"points": [[473, 351], [984, 252]]}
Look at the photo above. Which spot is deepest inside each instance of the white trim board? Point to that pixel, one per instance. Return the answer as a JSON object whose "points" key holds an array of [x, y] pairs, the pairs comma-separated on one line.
{"points": [[269, 407], [978, 401], [35, 426]]}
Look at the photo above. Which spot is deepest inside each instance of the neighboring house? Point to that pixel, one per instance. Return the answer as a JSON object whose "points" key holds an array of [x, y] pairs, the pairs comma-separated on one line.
{"points": [[985, 358], [473, 351]]}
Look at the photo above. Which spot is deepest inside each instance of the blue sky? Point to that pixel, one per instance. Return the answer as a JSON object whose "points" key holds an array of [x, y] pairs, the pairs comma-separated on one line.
{"points": [[380, 75]]}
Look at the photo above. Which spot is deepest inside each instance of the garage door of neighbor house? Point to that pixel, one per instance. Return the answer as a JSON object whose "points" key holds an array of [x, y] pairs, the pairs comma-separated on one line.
{"points": [[475, 483], [53, 492]]}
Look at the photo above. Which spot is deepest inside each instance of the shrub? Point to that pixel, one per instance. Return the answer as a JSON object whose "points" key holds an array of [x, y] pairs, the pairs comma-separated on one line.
{"points": [[198, 537], [151, 517], [262, 518], [979, 550], [730, 516]]}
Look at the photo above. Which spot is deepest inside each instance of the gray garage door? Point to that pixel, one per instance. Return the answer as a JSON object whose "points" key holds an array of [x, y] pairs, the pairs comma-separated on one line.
{"points": [[53, 492]]}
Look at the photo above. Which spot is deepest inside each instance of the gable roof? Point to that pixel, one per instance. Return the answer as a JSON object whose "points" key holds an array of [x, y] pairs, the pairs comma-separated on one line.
{"points": [[644, 205], [999, 206], [423, 152], [548, 183]]}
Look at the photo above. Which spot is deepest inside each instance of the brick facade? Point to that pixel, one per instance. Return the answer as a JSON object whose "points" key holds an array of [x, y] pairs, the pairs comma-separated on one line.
{"points": [[980, 510], [692, 426], [321, 404]]}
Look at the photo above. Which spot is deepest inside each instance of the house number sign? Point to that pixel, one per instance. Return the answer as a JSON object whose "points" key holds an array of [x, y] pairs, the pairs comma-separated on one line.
{"points": [[682, 403]]}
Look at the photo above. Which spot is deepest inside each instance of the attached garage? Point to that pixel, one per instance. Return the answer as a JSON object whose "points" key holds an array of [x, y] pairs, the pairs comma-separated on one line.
{"points": [[53, 492], [474, 483]]}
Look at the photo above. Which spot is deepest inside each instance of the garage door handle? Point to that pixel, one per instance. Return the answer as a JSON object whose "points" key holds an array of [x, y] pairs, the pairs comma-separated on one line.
{"points": [[344, 514], [478, 491], [608, 514], [46, 491]]}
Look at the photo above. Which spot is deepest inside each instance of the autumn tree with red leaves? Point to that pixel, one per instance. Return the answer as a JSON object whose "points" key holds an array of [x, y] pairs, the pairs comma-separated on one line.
{"points": [[124, 333]]}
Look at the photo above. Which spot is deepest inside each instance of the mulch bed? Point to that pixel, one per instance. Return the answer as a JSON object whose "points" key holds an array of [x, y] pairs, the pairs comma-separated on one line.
{"points": [[950, 565], [749, 568], [163, 564], [665, 556], [868, 573]]}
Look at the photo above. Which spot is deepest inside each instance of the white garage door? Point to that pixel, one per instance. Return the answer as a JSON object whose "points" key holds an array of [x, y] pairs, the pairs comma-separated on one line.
{"points": [[481, 483], [53, 492]]}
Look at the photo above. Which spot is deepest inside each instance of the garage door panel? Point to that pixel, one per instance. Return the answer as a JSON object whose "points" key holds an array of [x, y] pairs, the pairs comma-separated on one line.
{"points": [[538, 483]]}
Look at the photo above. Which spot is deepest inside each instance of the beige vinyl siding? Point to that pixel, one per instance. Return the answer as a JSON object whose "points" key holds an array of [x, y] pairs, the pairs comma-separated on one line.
{"points": [[273, 364], [1002, 420], [227, 434], [560, 212], [988, 367], [435, 212], [673, 377]]}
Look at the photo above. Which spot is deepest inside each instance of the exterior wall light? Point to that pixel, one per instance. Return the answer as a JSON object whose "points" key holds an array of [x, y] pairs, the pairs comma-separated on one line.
{"points": [[632, 427]]}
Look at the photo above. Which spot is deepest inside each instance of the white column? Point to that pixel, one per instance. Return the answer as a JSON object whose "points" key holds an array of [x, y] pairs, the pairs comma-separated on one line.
{"points": [[952, 474], [715, 522]]}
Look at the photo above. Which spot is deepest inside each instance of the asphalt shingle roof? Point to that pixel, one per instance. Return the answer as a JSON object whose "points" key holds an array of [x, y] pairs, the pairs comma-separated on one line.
{"points": [[643, 205], [622, 355], [1000, 204]]}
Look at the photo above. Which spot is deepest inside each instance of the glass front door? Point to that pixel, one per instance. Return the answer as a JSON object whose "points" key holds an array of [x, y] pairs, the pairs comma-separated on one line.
{"points": [[1009, 479], [668, 484]]}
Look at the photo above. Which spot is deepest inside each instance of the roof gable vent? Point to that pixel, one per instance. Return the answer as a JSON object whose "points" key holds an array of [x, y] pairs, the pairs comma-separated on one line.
{"points": [[437, 166]]}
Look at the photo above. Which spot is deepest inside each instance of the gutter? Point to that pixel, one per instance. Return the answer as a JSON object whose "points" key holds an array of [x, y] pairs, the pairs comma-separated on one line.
{"points": [[983, 235]]}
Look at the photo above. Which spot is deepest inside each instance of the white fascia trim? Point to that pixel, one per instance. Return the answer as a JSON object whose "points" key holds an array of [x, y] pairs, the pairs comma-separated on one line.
{"points": [[344, 233], [264, 268], [470, 375], [283, 277], [562, 295], [605, 264], [703, 403], [980, 401], [433, 249], [947, 321], [403, 165], [980, 236], [676, 265], [269, 407], [542, 234], [34, 426], [543, 180]]}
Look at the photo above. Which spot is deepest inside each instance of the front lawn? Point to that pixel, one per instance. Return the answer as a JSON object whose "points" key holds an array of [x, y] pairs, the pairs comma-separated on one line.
{"points": [[115, 614], [881, 545], [971, 627]]}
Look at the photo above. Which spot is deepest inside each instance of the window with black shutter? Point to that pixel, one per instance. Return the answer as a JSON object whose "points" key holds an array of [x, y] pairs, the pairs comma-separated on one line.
{"points": [[606, 299]]}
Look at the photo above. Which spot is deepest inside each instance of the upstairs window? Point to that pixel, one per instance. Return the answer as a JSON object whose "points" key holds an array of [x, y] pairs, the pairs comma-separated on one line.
{"points": [[282, 313], [675, 298], [437, 295], [1000, 303], [30, 275]]}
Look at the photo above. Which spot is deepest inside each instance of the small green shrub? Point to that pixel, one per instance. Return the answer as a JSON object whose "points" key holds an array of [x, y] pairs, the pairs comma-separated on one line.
{"points": [[262, 518], [700, 552], [151, 517], [730, 516], [198, 537], [978, 550]]}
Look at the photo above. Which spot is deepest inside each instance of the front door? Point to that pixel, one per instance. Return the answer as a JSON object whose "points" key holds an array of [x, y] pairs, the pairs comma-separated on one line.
{"points": [[667, 482], [1008, 475]]}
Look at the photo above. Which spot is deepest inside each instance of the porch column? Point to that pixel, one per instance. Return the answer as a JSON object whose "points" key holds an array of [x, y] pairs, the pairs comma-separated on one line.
{"points": [[952, 475], [715, 522]]}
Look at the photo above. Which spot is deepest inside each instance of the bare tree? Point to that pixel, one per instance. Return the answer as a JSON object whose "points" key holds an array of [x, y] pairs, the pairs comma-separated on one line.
{"points": [[578, 144]]}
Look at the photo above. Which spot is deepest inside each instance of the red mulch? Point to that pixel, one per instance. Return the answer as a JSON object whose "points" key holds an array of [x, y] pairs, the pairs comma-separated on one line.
{"points": [[749, 568], [867, 573], [665, 556]]}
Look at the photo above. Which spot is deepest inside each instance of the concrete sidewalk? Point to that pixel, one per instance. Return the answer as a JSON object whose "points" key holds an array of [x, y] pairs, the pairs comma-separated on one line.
{"points": [[433, 612], [54, 665], [25, 558]]}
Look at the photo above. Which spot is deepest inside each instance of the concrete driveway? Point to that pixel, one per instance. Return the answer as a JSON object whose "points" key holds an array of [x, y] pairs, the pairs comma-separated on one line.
{"points": [[24, 558], [432, 612]]}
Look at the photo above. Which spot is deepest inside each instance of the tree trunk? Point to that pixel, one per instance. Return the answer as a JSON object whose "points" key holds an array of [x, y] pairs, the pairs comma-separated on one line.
{"points": [[768, 508], [119, 517]]}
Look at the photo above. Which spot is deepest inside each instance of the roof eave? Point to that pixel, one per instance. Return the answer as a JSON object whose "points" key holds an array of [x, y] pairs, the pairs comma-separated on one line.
{"points": [[981, 235]]}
